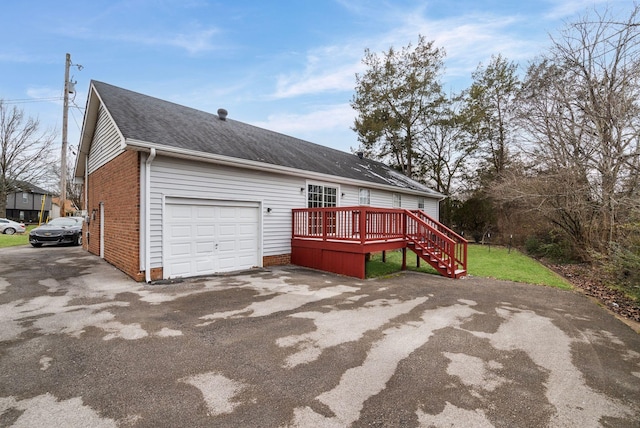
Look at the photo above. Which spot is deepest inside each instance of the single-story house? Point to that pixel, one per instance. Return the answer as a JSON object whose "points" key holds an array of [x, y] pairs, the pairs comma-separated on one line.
{"points": [[26, 202], [171, 191]]}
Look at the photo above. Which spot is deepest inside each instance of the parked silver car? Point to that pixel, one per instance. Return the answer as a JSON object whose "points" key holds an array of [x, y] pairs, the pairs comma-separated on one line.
{"points": [[9, 227]]}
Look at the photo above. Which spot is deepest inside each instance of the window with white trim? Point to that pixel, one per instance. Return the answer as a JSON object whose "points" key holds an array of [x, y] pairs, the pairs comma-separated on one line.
{"points": [[25, 197], [364, 197], [319, 196], [421, 203], [397, 200]]}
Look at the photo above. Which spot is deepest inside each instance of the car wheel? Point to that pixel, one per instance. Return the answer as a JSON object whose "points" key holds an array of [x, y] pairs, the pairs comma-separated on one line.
{"points": [[78, 240], [9, 231], [36, 245]]}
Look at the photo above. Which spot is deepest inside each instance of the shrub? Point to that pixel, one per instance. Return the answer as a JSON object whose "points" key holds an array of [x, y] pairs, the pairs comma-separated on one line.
{"points": [[551, 247]]}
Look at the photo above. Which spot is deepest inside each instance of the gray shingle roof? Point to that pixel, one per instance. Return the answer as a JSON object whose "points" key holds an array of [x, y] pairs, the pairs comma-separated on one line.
{"points": [[162, 123]]}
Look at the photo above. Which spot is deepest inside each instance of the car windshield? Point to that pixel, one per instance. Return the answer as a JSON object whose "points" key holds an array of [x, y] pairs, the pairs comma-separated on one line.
{"points": [[62, 222]]}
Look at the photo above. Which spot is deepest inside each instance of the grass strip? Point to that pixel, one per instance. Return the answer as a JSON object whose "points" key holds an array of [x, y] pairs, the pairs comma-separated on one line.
{"points": [[483, 261]]}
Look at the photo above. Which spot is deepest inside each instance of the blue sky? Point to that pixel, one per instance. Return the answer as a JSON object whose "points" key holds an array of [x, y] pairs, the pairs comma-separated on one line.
{"points": [[288, 65]]}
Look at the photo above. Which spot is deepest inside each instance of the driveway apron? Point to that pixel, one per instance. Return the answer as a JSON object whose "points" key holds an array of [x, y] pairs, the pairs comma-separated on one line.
{"points": [[83, 345]]}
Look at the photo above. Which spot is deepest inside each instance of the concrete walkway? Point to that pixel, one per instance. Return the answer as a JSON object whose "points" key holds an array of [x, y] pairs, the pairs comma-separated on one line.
{"points": [[81, 345]]}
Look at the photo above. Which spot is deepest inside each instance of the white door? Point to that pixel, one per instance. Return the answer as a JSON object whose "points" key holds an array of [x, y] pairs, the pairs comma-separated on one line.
{"points": [[202, 238]]}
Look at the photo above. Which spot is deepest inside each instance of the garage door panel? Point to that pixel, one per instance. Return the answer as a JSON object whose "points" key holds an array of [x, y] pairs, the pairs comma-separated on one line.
{"points": [[247, 214], [207, 238], [203, 266], [205, 248], [205, 230], [203, 212], [178, 230], [181, 268], [246, 229], [180, 249], [245, 260], [246, 244], [227, 230], [181, 212], [228, 213]]}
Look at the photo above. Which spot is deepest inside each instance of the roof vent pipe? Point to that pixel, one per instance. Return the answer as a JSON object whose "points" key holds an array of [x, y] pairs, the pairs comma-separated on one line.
{"points": [[222, 114], [360, 154]]}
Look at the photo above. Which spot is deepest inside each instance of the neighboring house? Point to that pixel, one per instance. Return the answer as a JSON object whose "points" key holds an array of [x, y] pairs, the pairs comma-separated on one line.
{"points": [[25, 203], [175, 192], [70, 208]]}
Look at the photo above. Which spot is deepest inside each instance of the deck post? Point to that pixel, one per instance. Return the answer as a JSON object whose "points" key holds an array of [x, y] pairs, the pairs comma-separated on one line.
{"points": [[404, 258], [363, 226], [417, 260], [384, 256], [324, 225]]}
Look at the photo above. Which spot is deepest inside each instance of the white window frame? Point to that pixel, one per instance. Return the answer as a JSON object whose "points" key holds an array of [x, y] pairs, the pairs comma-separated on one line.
{"points": [[327, 195], [397, 200], [421, 203], [364, 196], [25, 197]]}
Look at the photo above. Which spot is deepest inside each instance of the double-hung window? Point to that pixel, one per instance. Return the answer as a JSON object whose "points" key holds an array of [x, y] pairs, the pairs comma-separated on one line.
{"points": [[397, 200], [364, 197]]}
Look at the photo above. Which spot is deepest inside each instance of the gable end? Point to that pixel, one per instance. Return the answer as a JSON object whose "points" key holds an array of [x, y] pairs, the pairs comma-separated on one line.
{"points": [[106, 144]]}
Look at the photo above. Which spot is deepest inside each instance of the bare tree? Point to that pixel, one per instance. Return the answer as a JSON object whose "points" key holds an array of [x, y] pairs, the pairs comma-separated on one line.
{"points": [[25, 150], [580, 109]]}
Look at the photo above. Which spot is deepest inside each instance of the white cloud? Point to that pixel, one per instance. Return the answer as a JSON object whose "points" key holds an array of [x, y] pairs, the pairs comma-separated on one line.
{"points": [[193, 42], [327, 69], [467, 39], [566, 8], [322, 118]]}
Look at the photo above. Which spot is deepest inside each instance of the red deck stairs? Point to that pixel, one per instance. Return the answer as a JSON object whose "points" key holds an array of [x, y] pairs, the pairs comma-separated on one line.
{"points": [[338, 239]]}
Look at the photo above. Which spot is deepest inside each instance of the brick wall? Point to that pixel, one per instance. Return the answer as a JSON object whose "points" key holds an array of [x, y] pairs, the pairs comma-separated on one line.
{"points": [[279, 260], [117, 185]]}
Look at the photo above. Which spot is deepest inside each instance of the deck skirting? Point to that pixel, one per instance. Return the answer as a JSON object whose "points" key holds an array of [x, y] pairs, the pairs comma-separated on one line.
{"points": [[344, 258]]}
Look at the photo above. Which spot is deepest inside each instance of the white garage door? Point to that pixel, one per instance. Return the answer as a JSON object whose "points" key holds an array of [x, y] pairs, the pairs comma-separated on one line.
{"points": [[202, 238]]}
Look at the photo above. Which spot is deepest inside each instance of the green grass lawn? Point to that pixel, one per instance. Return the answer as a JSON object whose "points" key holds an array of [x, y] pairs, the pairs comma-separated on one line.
{"points": [[483, 261], [14, 240]]}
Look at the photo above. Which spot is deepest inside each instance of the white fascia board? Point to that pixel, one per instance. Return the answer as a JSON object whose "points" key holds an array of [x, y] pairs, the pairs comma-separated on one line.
{"points": [[260, 166]]}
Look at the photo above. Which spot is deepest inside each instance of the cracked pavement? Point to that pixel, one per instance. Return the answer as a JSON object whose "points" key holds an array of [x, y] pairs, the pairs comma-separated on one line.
{"points": [[83, 345]]}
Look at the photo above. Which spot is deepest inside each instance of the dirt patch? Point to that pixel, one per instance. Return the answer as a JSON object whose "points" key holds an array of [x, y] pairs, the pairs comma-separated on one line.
{"points": [[588, 280]]}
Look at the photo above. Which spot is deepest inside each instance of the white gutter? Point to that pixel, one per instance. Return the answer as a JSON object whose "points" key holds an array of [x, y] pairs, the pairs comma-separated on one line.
{"points": [[147, 215]]}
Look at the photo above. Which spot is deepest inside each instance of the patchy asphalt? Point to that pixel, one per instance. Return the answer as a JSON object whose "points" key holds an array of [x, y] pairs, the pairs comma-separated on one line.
{"points": [[81, 345]]}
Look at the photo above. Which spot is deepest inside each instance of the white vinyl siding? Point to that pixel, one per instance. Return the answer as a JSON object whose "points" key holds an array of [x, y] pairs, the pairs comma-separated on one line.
{"points": [[276, 194], [106, 143]]}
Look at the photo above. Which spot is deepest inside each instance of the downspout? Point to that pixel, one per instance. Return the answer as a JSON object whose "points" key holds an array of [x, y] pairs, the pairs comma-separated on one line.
{"points": [[147, 215], [86, 183], [86, 200]]}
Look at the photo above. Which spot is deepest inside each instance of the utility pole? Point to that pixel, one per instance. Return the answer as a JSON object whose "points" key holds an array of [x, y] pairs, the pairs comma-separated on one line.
{"points": [[63, 155], [69, 88]]}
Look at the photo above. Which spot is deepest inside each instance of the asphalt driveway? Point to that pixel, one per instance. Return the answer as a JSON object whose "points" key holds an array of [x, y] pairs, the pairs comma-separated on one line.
{"points": [[81, 345]]}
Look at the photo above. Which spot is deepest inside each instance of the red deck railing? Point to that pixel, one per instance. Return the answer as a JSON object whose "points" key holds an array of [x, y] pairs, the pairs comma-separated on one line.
{"points": [[441, 247]]}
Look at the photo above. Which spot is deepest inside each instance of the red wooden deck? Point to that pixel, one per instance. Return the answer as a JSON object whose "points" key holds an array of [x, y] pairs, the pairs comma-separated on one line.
{"points": [[338, 239]]}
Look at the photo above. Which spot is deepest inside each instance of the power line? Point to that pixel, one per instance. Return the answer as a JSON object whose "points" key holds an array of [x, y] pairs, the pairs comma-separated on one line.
{"points": [[31, 100]]}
